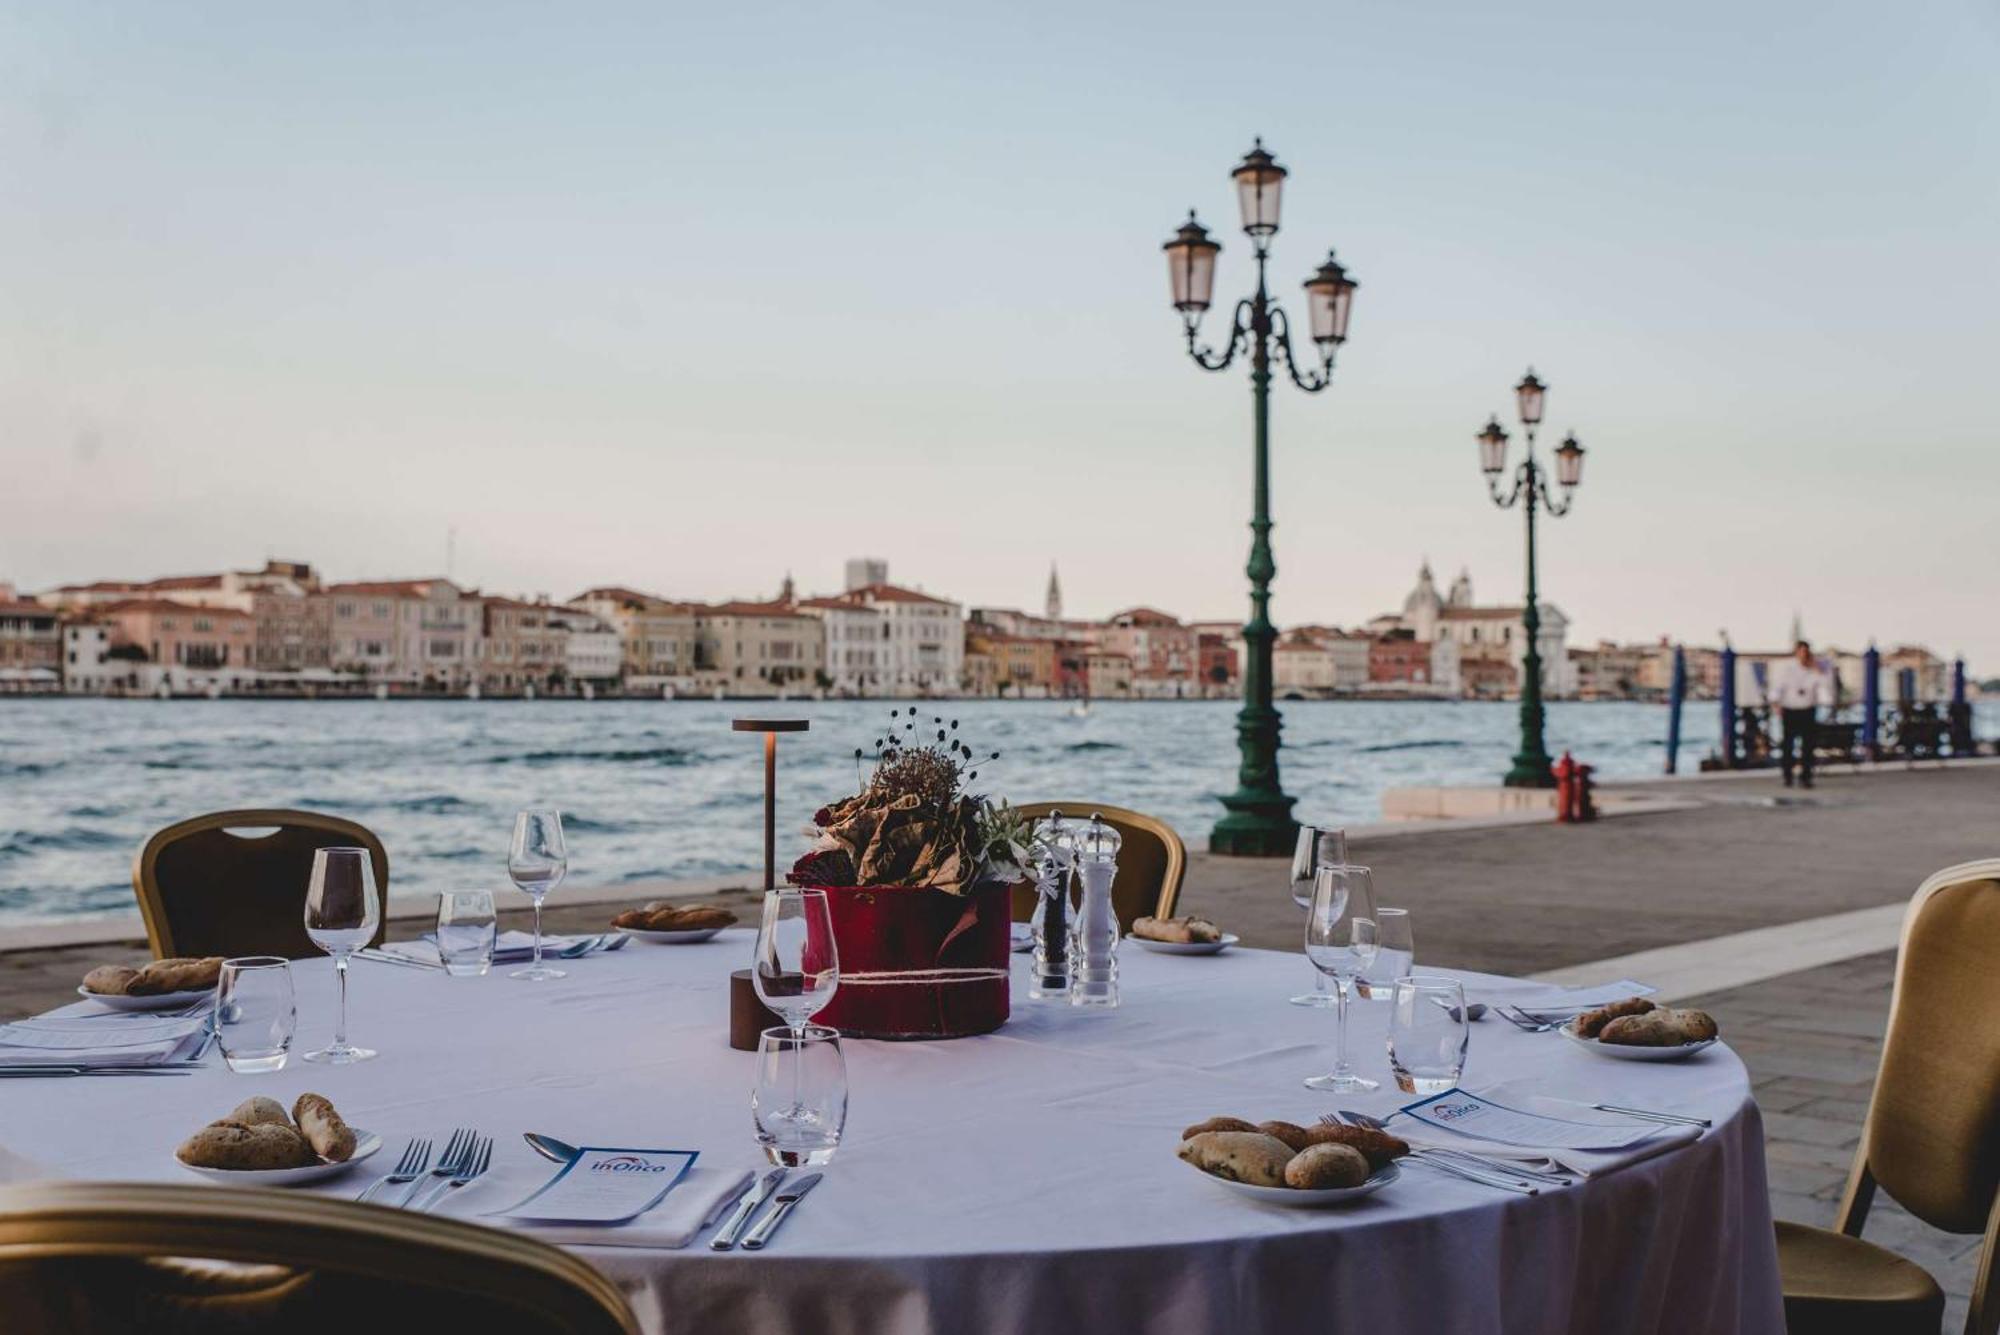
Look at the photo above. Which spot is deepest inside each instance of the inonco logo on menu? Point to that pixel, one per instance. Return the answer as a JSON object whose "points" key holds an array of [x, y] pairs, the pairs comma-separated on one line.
{"points": [[627, 1163], [1451, 1112]]}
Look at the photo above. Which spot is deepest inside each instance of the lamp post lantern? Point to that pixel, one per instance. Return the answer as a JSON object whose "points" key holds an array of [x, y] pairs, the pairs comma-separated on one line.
{"points": [[1531, 490], [1259, 818]]}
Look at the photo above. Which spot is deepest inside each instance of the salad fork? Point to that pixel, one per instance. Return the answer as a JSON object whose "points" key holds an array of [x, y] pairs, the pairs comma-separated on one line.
{"points": [[416, 1158], [1485, 1176], [478, 1158], [1520, 1019]]}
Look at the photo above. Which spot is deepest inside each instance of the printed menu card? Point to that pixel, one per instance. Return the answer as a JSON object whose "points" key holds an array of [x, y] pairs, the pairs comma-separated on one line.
{"points": [[604, 1186], [1470, 1115]]}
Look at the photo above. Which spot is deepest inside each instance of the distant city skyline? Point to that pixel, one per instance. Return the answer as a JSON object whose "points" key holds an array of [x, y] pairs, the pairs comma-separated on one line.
{"points": [[687, 299]]}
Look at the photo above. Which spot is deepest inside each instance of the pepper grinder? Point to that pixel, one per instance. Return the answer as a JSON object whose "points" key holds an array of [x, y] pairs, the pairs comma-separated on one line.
{"points": [[1094, 939], [1054, 859]]}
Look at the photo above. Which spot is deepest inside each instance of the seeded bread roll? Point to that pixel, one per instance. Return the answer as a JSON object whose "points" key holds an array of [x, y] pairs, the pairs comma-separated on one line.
{"points": [[1321, 1166], [1591, 1023], [175, 975], [235, 1146], [1291, 1133], [1218, 1124], [258, 1110], [331, 1137], [109, 980], [1240, 1156]]}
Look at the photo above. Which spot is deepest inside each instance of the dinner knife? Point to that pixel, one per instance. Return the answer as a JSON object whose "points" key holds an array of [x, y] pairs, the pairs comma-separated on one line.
{"points": [[725, 1238], [787, 1199]]}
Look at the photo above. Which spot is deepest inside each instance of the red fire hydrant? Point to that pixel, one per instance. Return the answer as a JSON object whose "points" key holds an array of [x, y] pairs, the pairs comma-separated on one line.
{"points": [[1573, 785]]}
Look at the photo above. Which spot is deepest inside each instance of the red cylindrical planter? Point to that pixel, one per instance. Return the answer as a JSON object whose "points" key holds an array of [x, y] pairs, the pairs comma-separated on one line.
{"points": [[918, 963]]}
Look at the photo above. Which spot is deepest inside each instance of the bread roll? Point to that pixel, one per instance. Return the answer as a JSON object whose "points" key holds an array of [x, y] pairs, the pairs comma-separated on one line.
{"points": [[1183, 931], [175, 975], [1591, 1023], [109, 980], [1218, 1124], [1291, 1133], [242, 1148], [1696, 1026], [259, 1110], [1654, 1029], [331, 1137], [1378, 1147], [1240, 1156], [1321, 1166]]}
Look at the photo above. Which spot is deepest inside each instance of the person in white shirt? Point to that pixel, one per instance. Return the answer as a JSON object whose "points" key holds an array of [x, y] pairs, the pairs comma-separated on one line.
{"points": [[1798, 687]]}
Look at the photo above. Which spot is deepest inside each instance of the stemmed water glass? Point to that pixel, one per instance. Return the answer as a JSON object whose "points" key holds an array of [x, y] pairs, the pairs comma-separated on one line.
{"points": [[1341, 943], [798, 968], [1317, 847], [343, 909], [536, 864]]}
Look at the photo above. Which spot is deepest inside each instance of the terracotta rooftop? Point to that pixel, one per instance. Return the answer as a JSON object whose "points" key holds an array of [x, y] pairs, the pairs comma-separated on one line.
{"points": [[750, 609], [393, 587], [893, 593], [22, 608], [183, 582], [165, 606]]}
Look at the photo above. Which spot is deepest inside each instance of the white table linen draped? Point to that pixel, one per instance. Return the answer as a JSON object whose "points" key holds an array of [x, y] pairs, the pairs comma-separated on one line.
{"points": [[1023, 1180]]}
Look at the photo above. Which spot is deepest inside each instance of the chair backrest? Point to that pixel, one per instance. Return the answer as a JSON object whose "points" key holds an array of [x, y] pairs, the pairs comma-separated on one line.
{"points": [[205, 889], [1152, 861], [1933, 1134], [82, 1258]]}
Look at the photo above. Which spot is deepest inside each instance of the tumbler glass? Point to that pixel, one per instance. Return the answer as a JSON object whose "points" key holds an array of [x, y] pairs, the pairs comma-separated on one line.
{"points": [[466, 928], [799, 1103], [1427, 1034], [255, 1013]]}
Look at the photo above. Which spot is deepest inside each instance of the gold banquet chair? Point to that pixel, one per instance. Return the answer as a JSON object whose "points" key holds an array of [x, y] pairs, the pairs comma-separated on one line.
{"points": [[206, 888], [1932, 1136], [1152, 861], [92, 1258]]}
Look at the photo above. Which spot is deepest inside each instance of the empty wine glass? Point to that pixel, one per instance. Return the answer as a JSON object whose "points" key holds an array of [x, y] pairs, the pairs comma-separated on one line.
{"points": [[1396, 956], [1341, 944], [343, 909], [1317, 847], [536, 864], [798, 967]]}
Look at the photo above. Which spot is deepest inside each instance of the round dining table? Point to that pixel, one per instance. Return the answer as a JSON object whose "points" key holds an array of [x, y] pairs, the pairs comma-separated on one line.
{"points": [[1025, 1180]]}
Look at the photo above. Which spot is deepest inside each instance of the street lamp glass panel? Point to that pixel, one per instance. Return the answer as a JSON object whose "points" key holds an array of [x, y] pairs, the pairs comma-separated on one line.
{"points": [[1492, 448], [1569, 462], [1529, 393], [1191, 267], [1329, 295], [1260, 182]]}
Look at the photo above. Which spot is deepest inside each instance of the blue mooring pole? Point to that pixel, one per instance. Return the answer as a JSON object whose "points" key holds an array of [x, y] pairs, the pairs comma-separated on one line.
{"points": [[1676, 694], [1871, 702], [1958, 681], [1728, 693]]}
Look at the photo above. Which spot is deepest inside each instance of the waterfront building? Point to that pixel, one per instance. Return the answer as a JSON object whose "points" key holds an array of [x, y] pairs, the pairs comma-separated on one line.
{"points": [[1219, 665], [1107, 675], [854, 633], [181, 635], [658, 637], [1052, 602], [981, 674], [293, 629], [30, 646], [761, 648], [1023, 667], [1607, 671], [593, 651], [923, 639], [87, 665], [1026, 625], [1399, 658], [1480, 635], [1163, 653], [1301, 666], [864, 570], [416, 632], [521, 648]]}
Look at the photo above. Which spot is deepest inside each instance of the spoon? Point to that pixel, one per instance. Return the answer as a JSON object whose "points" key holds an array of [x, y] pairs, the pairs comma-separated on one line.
{"points": [[549, 1147], [1475, 1011]]}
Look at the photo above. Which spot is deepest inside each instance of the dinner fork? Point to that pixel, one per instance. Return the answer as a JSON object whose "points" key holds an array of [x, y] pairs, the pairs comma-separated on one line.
{"points": [[1501, 1167], [416, 1158], [478, 1158], [1520, 1019], [456, 1151]]}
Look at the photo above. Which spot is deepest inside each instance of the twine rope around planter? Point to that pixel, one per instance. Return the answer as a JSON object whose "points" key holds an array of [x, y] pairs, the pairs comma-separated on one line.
{"points": [[925, 977]]}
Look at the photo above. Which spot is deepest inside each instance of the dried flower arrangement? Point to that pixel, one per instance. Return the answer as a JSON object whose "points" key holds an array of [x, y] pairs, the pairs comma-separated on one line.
{"points": [[914, 823]]}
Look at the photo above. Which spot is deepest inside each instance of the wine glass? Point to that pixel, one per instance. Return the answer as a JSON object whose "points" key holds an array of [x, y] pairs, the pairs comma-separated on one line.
{"points": [[1341, 943], [343, 909], [536, 864], [1317, 847], [798, 967]]}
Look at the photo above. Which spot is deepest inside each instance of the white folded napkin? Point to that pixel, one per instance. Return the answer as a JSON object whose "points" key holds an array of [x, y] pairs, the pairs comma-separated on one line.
{"points": [[98, 1039], [696, 1202], [1580, 1163], [508, 947]]}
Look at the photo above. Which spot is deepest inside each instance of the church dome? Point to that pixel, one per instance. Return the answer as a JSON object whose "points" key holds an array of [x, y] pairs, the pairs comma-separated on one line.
{"points": [[1424, 597], [1461, 589]]}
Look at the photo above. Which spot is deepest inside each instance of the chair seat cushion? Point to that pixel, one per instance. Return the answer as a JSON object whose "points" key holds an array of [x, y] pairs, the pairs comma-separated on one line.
{"points": [[1835, 1284]]}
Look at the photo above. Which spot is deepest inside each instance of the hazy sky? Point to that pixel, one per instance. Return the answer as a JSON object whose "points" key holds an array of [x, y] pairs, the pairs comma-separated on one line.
{"points": [[685, 297]]}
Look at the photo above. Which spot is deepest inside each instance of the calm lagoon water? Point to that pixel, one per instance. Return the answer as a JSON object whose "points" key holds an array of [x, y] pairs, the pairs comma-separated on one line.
{"points": [[663, 789]]}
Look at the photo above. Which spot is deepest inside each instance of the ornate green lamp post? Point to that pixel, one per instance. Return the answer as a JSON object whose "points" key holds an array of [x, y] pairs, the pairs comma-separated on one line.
{"points": [[1259, 820], [1531, 489]]}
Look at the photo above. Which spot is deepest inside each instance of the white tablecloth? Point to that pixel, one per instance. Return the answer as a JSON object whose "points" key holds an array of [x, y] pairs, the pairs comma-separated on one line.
{"points": [[1021, 1181]]}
